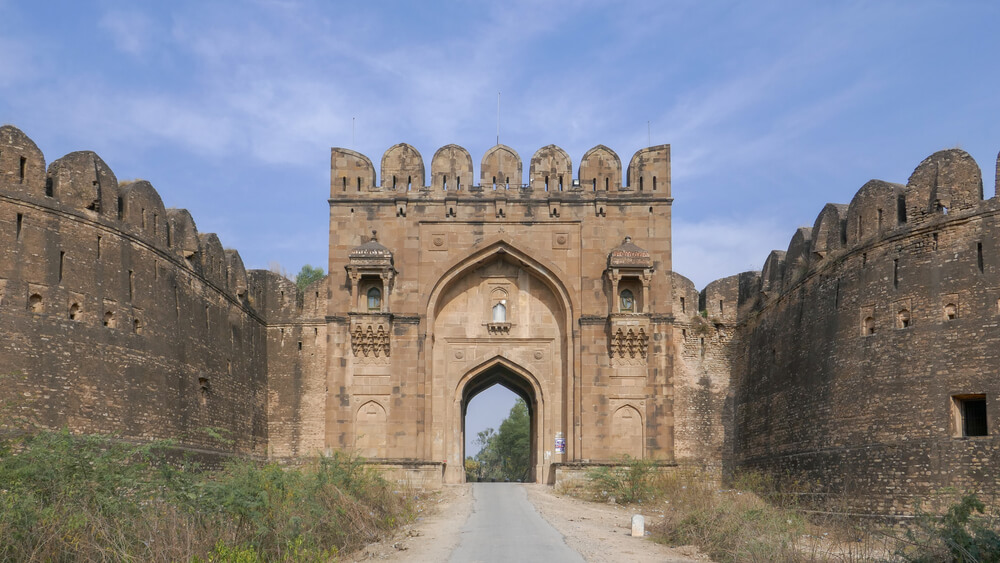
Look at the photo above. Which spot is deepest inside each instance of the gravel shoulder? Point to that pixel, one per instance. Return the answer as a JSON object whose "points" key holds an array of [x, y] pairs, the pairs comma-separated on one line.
{"points": [[602, 532], [432, 536]]}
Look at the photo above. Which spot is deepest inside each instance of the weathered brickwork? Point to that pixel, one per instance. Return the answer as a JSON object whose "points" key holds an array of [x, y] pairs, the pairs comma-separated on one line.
{"points": [[117, 316], [862, 339]]}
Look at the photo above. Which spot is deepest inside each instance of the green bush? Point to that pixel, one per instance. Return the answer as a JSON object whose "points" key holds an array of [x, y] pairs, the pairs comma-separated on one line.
{"points": [[964, 533], [72, 498], [628, 480]]}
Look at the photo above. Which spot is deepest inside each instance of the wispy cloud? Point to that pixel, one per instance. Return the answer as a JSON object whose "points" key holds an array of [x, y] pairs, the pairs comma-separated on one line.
{"points": [[130, 30], [714, 248]]}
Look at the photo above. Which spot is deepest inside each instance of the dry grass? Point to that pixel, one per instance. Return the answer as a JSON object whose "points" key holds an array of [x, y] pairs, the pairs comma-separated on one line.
{"points": [[73, 498], [756, 520]]}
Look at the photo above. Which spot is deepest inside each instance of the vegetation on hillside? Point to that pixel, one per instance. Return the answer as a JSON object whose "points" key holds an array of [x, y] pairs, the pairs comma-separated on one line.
{"points": [[88, 498], [504, 455]]}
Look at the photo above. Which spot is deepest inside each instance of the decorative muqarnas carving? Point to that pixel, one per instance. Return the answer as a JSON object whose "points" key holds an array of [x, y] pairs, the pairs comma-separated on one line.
{"points": [[370, 342], [629, 345]]}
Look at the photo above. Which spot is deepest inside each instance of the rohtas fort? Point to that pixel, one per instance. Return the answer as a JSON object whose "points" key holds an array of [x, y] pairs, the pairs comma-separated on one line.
{"points": [[862, 359]]}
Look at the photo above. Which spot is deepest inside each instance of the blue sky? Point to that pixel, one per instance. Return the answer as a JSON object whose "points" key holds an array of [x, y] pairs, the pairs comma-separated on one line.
{"points": [[772, 108]]}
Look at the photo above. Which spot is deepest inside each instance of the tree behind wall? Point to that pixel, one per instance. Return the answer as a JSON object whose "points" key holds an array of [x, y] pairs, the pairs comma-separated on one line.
{"points": [[504, 455], [308, 275]]}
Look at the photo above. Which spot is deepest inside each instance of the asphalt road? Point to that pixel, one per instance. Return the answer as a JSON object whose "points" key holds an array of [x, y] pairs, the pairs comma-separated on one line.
{"points": [[505, 527]]}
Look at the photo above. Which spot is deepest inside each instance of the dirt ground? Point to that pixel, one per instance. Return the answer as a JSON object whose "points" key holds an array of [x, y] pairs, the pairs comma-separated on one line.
{"points": [[599, 532]]}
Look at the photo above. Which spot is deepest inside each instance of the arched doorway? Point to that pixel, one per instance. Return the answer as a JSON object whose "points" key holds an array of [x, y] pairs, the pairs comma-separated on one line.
{"points": [[499, 306], [500, 372]]}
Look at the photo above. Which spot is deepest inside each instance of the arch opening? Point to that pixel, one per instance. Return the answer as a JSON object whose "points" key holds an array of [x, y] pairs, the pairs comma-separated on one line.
{"points": [[517, 442]]}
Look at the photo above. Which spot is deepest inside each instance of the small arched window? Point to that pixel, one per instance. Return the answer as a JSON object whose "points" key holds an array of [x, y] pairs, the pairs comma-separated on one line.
{"points": [[500, 312], [950, 312], [627, 301], [35, 303], [903, 318], [109, 319], [374, 299], [74, 312]]}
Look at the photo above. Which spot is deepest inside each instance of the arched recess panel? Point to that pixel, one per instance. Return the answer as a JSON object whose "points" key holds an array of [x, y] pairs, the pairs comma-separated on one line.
{"points": [[370, 428], [626, 432]]}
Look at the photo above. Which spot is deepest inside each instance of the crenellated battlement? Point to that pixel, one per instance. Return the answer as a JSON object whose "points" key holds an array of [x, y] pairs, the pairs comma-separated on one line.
{"points": [[946, 188], [550, 174]]}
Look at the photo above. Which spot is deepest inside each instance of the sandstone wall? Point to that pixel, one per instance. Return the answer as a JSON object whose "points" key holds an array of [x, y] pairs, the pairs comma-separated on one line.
{"points": [[864, 337], [117, 316]]}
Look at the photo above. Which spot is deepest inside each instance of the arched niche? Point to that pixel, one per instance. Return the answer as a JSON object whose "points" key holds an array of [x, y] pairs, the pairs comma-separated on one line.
{"points": [[627, 435], [600, 170], [500, 168], [550, 169], [370, 430], [402, 168], [451, 167]]}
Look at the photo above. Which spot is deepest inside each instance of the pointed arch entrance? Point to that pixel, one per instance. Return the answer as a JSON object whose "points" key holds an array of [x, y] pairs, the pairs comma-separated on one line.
{"points": [[501, 371], [526, 345]]}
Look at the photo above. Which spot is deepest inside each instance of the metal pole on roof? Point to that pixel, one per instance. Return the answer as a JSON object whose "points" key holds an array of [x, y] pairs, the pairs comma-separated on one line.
{"points": [[352, 133], [498, 118], [649, 136]]}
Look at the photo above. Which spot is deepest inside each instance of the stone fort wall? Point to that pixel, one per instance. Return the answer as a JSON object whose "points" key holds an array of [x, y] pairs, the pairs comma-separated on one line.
{"points": [[849, 360], [856, 350], [118, 316]]}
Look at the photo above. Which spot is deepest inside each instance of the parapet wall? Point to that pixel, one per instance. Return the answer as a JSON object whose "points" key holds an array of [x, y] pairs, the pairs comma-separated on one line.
{"points": [[856, 351], [118, 317], [550, 172]]}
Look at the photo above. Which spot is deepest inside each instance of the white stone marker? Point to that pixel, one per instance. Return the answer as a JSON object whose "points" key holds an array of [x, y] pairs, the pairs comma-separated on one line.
{"points": [[638, 526]]}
